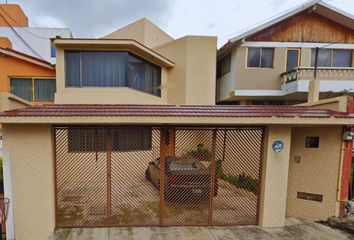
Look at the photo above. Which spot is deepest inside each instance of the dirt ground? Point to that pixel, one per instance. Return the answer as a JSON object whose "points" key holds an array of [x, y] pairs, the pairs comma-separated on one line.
{"points": [[136, 202]]}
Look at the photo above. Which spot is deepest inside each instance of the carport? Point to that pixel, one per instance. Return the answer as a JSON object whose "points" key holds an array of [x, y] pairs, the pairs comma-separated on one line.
{"points": [[86, 165], [148, 175]]}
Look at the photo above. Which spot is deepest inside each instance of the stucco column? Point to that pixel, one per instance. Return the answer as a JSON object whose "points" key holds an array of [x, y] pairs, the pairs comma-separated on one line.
{"points": [[275, 176], [314, 91]]}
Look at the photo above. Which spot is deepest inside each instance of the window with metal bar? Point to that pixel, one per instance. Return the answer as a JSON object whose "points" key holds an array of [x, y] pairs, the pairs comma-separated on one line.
{"points": [[123, 140], [33, 89], [111, 69]]}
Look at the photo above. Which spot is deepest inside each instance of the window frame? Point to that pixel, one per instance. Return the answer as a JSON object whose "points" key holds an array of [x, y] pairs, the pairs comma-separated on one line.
{"points": [[126, 66], [313, 51], [33, 86], [298, 57], [96, 139], [260, 58]]}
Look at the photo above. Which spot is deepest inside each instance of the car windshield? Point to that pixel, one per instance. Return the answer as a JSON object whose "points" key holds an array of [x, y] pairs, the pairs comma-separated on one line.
{"points": [[182, 163]]}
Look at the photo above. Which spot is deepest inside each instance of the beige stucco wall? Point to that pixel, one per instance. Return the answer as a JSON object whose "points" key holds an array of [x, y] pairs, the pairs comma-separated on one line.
{"points": [[32, 170], [143, 31], [92, 95], [317, 172], [259, 78], [192, 79], [336, 104], [274, 177], [9, 101]]}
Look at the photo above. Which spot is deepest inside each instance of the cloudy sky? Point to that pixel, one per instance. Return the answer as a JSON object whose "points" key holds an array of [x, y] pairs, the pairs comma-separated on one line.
{"points": [[222, 18]]}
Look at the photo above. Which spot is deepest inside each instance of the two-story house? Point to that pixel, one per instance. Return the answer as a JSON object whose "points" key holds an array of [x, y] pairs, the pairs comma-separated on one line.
{"points": [[134, 138], [139, 64], [273, 63]]}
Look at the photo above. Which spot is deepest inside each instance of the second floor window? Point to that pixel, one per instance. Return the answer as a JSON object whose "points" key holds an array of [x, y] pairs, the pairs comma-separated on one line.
{"points": [[260, 57], [33, 89], [332, 58], [111, 69], [224, 66]]}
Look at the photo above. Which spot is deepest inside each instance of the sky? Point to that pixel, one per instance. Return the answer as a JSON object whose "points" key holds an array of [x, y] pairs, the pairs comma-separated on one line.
{"points": [[221, 18]]}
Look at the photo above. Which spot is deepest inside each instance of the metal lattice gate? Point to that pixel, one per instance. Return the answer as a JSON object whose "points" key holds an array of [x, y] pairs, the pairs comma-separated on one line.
{"points": [[156, 176]]}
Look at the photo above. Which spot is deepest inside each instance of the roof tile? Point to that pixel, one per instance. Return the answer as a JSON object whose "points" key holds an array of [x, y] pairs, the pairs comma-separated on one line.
{"points": [[121, 110]]}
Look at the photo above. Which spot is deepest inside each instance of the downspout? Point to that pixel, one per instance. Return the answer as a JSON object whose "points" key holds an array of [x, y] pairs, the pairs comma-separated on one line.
{"points": [[347, 151]]}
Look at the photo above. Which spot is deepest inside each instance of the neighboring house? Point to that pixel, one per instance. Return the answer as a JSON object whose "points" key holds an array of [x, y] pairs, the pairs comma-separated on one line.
{"points": [[137, 64], [25, 76], [274, 62], [34, 41]]}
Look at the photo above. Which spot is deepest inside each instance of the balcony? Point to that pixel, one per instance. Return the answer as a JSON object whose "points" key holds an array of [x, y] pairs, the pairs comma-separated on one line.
{"points": [[307, 73], [331, 79]]}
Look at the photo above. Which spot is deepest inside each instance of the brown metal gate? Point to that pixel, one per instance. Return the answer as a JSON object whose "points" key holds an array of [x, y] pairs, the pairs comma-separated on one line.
{"points": [[156, 176]]}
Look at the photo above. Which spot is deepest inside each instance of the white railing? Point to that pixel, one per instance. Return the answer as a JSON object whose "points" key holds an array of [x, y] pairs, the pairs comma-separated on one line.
{"points": [[308, 73]]}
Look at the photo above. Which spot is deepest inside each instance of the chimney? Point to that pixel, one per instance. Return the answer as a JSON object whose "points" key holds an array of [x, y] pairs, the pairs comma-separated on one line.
{"points": [[12, 15], [5, 42]]}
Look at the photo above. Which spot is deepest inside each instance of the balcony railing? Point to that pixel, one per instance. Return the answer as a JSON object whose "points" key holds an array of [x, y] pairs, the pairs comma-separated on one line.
{"points": [[307, 73]]}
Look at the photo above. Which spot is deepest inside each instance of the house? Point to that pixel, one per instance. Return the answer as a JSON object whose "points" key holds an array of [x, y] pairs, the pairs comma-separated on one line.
{"points": [[25, 77], [139, 99], [153, 68], [34, 41], [274, 62]]}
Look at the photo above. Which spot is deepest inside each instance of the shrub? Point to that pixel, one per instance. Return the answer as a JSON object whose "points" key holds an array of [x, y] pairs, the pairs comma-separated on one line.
{"points": [[242, 180], [200, 152]]}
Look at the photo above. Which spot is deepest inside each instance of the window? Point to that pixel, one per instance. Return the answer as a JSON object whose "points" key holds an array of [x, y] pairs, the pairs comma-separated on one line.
{"points": [[267, 102], [224, 65], [33, 89], [312, 142], [111, 69], [87, 140], [132, 139], [332, 58], [123, 139], [292, 59], [53, 52], [260, 57]]}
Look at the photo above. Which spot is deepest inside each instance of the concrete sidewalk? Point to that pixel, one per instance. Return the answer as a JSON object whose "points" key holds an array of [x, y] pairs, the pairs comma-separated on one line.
{"points": [[294, 230]]}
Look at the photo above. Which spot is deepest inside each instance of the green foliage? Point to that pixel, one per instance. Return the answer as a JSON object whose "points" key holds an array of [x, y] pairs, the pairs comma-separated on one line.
{"points": [[242, 180], [331, 94], [200, 152]]}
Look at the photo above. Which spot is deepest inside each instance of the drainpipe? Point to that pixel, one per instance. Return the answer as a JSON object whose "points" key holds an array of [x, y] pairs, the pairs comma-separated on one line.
{"points": [[347, 164]]}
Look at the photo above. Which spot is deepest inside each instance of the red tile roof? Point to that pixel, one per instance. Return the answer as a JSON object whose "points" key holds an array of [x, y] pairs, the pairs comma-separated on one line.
{"points": [[119, 110]]}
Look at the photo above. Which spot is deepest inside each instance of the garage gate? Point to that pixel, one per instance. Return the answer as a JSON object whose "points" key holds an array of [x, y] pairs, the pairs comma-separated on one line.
{"points": [[157, 176]]}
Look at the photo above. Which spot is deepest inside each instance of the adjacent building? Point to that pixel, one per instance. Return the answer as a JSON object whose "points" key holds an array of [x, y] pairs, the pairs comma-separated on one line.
{"points": [[26, 77], [274, 62], [33, 41]]}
